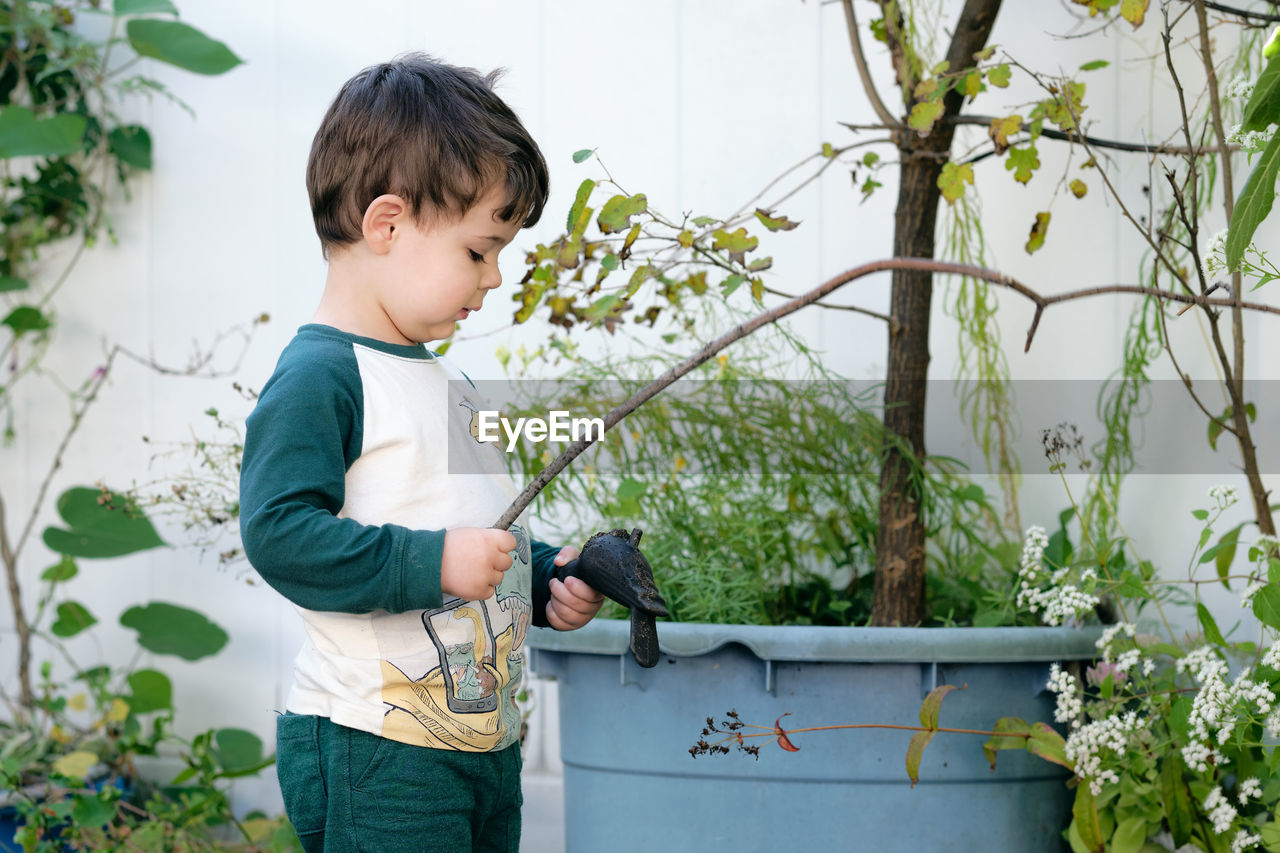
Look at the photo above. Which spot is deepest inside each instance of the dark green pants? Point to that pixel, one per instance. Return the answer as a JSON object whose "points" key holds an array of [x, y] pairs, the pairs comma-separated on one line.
{"points": [[348, 791]]}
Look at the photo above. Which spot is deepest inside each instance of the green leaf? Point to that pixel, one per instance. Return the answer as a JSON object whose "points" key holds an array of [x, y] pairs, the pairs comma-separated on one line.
{"points": [[1227, 553], [1263, 108], [1254, 203], [999, 76], [168, 629], [775, 223], [1039, 230], [180, 45], [238, 752], [603, 307], [63, 570], [144, 7], [630, 489], [1022, 162], [932, 705], [924, 115], [617, 212], [737, 242], [952, 178], [1085, 812], [150, 690], [915, 752], [25, 319], [1208, 625], [72, 619], [1134, 11], [94, 809], [1200, 514], [99, 529], [1130, 836], [23, 135], [1049, 745], [131, 144], [9, 283], [1176, 798], [1008, 730], [582, 154], [730, 284], [1094, 65], [579, 206], [1266, 606]]}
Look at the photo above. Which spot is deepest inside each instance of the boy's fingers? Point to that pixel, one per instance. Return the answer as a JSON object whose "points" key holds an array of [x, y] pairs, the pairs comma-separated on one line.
{"points": [[583, 591]]}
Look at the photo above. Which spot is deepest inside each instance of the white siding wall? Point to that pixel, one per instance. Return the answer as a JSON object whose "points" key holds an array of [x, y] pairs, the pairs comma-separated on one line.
{"points": [[697, 103]]}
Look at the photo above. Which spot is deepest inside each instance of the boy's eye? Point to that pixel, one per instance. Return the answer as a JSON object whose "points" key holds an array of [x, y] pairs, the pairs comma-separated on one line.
{"points": [[475, 256]]}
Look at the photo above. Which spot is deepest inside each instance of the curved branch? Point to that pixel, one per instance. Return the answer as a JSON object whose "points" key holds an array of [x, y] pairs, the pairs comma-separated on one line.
{"points": [[864, 73], [1240, 13], [1115, 145], [646, 393]]}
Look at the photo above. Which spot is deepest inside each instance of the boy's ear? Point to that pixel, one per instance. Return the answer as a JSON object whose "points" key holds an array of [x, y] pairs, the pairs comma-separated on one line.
{"points": [[383, 219]]}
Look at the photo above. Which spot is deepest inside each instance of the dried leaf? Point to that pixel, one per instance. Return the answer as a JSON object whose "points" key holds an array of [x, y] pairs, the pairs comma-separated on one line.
{"points": [[783, 740], [1001, 129], [737, 243], [1078, 188], [915, 752]]}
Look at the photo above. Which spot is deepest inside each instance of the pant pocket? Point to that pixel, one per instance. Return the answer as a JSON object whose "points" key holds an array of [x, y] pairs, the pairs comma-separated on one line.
{"points": [[299, 768]]}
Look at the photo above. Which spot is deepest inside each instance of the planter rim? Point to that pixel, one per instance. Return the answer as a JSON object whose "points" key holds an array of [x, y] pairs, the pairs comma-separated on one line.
{"points": [[808, 642]]}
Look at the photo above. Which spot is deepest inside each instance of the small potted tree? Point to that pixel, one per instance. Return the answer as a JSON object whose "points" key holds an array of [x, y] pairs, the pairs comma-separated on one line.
{"points": [[618, 719]]}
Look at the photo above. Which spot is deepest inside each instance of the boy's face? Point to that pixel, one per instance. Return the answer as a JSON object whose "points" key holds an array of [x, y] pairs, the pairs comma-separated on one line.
{"points": [[438, 273]]}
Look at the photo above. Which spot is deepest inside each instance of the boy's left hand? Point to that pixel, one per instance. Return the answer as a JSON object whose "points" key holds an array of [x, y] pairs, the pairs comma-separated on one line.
{"points": [[573, 603]]}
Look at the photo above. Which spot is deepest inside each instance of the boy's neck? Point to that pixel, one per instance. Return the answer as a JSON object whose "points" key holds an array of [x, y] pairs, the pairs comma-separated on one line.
{"points": [[345, 304]]}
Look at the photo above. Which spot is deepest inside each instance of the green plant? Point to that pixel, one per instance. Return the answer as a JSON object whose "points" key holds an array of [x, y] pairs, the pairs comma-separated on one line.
{"points": [[759, 494], [70, 743], [638, 268]]}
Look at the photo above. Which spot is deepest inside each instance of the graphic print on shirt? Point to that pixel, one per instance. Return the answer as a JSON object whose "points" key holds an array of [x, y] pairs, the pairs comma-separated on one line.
{"points": [[465, 699]]}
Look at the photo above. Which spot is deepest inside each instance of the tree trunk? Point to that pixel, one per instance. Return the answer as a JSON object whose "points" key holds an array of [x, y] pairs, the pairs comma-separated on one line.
{"points": [[900, 544]]}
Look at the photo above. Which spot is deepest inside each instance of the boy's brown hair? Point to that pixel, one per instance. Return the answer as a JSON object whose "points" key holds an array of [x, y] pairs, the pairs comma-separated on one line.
{"points": [[434, 134]]}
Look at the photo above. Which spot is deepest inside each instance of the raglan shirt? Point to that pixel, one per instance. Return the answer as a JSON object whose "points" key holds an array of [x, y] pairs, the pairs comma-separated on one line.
{"points": [[358, 456]]}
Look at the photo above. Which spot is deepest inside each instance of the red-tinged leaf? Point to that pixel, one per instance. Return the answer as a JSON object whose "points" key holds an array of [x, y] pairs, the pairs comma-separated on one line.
{"points": [[1049, 745], [1001, 129], [1085, 813], [783, 740], [932, 703], [1011, 733], [915, 752]]}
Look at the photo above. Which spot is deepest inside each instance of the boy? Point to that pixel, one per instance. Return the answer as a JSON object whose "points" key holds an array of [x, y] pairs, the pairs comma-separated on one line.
{"points": [[362, 485]]}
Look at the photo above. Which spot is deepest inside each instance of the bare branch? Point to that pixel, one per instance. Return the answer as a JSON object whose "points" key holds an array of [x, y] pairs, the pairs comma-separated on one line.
{"points": [[864, 73]]}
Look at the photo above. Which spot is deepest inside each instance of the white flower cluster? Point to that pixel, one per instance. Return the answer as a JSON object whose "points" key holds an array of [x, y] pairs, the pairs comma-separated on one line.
{"points": [[1245, 840], [1109, 635], [1250, 788], [1087, 743], [1070, 704], [1032, 552], [1241, 87], [1224, 496], [1218, 707], [1215, 257], [1253, 140], [1247, 594], [1220, 810], [1058, 601], [1266, 542], [1272, 656]]}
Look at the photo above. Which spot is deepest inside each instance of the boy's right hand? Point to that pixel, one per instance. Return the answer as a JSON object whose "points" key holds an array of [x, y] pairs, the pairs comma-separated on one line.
{"points": [[474, 560]]}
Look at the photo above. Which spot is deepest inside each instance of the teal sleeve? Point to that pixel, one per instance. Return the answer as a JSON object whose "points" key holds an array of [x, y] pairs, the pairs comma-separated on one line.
{"points": [[544, 570], [303, 435]]}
